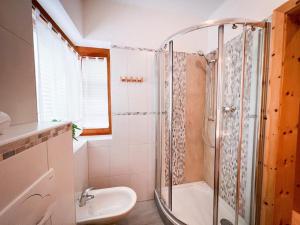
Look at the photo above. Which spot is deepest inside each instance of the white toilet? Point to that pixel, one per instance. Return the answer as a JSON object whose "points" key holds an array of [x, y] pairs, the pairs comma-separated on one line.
{"points": [[107, 206]]}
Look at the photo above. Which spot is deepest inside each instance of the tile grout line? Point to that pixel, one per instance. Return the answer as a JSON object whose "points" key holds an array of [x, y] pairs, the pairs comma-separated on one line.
{"points": [[16, 35], [23, 144]]}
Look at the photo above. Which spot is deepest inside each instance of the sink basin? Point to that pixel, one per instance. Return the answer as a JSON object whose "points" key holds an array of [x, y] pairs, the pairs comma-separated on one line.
{"points": [[108, 206]]}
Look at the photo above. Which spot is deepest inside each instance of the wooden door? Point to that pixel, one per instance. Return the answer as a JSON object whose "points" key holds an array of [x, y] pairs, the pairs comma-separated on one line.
{"points": [[279, 183]]}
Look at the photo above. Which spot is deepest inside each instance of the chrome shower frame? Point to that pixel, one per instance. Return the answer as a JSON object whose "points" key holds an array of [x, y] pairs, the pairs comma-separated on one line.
{"points": [[166, 208]]}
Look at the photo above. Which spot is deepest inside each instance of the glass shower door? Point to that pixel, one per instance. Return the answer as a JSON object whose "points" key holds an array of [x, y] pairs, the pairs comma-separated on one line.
{"points": [[241, 73]]}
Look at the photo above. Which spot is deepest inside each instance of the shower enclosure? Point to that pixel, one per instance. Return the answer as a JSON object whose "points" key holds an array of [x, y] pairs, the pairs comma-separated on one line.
{"points": [[210, 123]]}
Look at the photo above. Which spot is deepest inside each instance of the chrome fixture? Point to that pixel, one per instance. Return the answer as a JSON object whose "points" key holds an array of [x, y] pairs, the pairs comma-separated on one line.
{"points": [[219, 123], [85, 196], [229, 109], [241, 130], [170, 74]]}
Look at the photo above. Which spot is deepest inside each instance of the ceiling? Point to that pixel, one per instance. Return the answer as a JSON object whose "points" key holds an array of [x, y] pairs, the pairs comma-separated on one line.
{"points": [[142, 23], [135, 23], [203, 8]]}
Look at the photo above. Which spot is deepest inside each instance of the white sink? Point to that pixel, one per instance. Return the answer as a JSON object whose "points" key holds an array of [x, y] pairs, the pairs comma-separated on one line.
{"points": [[107, 207]]}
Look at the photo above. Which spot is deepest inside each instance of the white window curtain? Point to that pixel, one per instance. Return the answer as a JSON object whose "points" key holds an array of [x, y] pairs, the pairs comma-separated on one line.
{"points": [[95, 93], [58, 74]]}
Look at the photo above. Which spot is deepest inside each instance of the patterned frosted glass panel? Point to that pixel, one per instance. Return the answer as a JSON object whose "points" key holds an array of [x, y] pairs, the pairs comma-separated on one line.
{"points": [[233, 53], [165, 112]]}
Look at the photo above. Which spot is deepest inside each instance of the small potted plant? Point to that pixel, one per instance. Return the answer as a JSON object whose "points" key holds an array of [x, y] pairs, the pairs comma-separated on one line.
{"points": [[76, 130]]}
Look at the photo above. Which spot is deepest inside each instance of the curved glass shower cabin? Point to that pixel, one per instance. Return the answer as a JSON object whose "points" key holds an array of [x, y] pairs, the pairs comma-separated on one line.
{"points": [[210, 123]]}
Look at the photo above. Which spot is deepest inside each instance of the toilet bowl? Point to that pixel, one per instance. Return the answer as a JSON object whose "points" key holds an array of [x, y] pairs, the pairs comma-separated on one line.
{"points": [[108, 206]]}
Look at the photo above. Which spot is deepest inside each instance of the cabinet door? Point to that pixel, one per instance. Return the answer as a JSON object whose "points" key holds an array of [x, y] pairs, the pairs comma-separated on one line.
{"points": [[60, 158], [20, 171]]}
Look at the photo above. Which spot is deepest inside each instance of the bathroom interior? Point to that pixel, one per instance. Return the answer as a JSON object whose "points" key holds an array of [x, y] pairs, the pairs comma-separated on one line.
{"points": [[150, 112]]}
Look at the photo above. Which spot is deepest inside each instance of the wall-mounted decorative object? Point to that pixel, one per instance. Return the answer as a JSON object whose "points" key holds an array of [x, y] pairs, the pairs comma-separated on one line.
{"points": [[132, 79]]}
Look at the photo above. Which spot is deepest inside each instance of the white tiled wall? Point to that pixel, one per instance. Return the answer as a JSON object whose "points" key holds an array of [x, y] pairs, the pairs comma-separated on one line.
{"points": [[80, 166], [128, 159], [17, 78]]}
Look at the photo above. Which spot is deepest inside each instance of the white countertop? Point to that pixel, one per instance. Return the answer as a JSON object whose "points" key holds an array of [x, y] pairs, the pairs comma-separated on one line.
{"points": [[17, 132]]}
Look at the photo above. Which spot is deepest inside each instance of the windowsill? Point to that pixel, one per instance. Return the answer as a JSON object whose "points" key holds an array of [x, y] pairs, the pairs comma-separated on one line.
{"points": [[85, 140], [95, 137]]}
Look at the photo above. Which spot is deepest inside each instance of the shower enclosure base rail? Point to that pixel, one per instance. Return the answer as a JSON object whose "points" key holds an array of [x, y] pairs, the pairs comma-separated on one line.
{"points": [[165, 214]]}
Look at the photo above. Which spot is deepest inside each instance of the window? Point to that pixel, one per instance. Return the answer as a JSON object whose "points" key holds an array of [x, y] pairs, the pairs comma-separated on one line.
{"points": [[95, 64], [73, 83], [58, 75]]}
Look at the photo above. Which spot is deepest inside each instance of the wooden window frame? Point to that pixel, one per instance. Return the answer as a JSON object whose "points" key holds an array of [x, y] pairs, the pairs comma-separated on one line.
{"points": [[102, 53], [83, 51]]}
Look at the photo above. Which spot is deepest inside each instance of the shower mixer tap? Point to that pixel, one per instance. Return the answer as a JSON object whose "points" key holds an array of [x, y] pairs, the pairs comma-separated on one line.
{"points": [[229, 109]]}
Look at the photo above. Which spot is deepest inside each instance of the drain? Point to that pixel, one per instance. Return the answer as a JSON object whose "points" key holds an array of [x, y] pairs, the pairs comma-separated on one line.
{"points": [[225, 222]]}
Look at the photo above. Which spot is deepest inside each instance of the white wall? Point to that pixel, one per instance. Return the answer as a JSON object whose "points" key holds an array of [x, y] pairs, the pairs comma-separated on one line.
{"points": [[59, 14], [128, 158], [17, 78], [67, 16], [254, 10], [74, 10], [80, 166]]}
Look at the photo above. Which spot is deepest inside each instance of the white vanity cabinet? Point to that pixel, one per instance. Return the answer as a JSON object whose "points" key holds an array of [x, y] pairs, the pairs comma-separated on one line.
{"points": [[20, 171], [28, 152], [60, 158]]}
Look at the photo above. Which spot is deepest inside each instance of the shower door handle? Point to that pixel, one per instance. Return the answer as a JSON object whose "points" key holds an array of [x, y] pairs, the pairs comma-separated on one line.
{"points": [[229, 109]]}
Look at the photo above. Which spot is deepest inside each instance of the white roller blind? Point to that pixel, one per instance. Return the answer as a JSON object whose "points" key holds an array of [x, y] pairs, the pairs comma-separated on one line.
{"points": [[95, 93], [69, 88], [58, 75]]}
